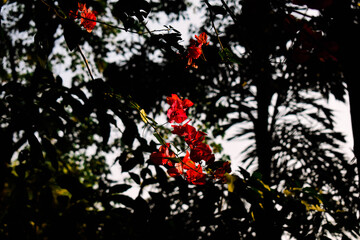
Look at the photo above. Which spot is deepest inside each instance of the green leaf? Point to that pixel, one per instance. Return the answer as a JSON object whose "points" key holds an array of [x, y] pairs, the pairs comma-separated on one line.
{"points": [[227, 56], [175, 159], [160, 139], [257, 175], [134, 105], [230, 179]]}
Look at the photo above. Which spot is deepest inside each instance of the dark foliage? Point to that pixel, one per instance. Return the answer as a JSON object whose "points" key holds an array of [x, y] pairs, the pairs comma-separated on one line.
{"points": [[268, 68]]}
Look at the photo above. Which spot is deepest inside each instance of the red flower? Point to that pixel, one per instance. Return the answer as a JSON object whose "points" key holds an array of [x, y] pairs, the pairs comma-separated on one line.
{"points": [[187, 162], [194, 52], [195, 138], [176, 114], [186, 103], [175, 171], [202, 151], [82, 6], [179, 130], [194, 173], [192, 137], [73, 15], [177, 108], [202, 39], [220, 172], [196, 176], [161, 157], [88, 19]]}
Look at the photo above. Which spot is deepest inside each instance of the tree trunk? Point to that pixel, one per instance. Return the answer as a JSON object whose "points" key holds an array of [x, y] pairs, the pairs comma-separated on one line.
{"points": [[347, 32], [265, 218], [262, 135]]}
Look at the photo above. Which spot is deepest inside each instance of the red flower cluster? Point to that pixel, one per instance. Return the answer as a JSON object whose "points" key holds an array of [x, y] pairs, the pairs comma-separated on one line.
{"points": [[195, 49], [88, 17], [190, 165], [194, 139]]}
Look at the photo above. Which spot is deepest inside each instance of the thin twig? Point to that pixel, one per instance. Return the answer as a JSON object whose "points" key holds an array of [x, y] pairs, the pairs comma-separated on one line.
{"points": [[212, 22], [301, 13], [86, 62], [122, 28], [53, 8], [232, 15], [110, 25], [144, 24]]}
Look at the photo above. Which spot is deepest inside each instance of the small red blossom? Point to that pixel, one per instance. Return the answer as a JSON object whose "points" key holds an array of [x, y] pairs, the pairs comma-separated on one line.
{"points": [[202, 151], [161, 157], [195, 138], [187, 162], [194, 52], [176, 114], [73, 14], [196, 176], [219, 173], [191, 135], [176, 171], [179, 130], [194, 173], [88, 19], [177, 108], [82, 6], [186, 103], [202, 39]]}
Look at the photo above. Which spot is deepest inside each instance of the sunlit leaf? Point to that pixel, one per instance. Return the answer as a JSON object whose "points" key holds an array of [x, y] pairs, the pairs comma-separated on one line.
{"points": [[143, 116]]}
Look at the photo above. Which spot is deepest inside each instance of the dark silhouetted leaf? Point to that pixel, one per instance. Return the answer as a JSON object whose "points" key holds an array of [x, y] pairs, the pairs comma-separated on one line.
{"points": [[135, 177], [73, 34], [119, 188]]}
